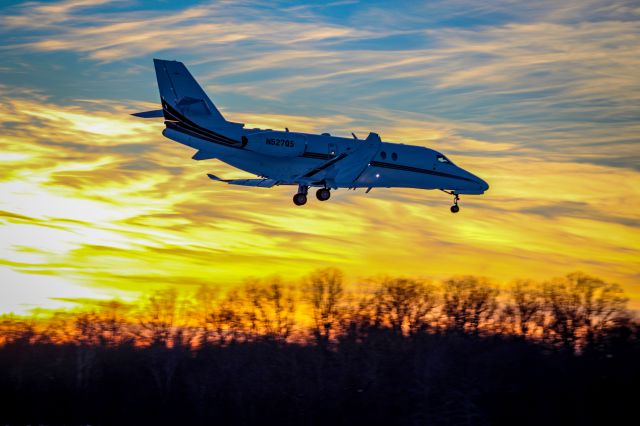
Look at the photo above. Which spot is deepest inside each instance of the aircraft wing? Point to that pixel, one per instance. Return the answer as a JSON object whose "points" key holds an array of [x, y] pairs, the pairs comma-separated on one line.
{"points": [[346, 167], [263, 183]]}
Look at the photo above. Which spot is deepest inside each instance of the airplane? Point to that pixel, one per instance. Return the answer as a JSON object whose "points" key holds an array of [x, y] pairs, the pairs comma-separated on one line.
{"points": [[283, 157]]}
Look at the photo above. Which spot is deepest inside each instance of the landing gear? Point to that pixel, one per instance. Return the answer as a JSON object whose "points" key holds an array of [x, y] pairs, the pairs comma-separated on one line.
{"points": [[323, 194], [454, 207], [300, 199]]}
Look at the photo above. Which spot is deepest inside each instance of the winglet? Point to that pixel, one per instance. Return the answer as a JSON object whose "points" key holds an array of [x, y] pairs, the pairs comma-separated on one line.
{"points": [[214, 177]]}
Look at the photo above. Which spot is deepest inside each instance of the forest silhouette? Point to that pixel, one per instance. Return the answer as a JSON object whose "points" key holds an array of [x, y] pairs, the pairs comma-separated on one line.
{"points": [[390, 351]]}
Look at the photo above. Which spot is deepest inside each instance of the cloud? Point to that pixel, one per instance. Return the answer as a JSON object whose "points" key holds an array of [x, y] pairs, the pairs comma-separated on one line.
{"points": [[83, 217], [537, 98]]}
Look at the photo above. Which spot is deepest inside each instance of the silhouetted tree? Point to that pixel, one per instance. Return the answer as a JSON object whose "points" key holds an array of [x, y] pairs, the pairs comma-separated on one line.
{"points": [[113, 325], [16, 329], [269, 308], [468, 302], [205, 312], [580, 308], [324, 292], [405, 305], [523, 310], [158, 316]]}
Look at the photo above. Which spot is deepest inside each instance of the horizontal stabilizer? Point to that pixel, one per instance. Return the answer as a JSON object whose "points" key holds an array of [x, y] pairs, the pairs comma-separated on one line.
{"points": [[156, 113], [262, 183]]}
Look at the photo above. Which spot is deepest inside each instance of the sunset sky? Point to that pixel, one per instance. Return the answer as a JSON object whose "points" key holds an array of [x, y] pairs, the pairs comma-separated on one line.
{"points": [[541, 99]]}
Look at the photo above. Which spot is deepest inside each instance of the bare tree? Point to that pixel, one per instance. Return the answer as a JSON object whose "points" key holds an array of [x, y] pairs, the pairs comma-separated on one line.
{"points": [[523, 309], [269, 308], [469, 302], [159, 315], [324, 292], [205, 311], [112, 324], [579, 308], [405, 304]]}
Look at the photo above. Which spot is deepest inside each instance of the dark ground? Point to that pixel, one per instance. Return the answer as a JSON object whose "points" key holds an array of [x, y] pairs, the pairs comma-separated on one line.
{"points": [[427, 379]]}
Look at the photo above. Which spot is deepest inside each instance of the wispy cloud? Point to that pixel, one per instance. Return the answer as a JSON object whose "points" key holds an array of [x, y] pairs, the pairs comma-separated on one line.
{"points": [[541, 99], [76, 211]]}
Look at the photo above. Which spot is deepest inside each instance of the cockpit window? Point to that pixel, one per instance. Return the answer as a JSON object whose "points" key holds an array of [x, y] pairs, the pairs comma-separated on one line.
{"points": [[442, 159]]}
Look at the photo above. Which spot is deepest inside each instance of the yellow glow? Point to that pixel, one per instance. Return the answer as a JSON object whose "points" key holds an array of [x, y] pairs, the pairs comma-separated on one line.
{"points": [[81, 222]]}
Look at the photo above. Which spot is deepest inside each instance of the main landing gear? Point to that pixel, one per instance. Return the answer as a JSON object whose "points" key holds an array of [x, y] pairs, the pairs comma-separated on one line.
{"points": [[300, 199], [323, 194]]}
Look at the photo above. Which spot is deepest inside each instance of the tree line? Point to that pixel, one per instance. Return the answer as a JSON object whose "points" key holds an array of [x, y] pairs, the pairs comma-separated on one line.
{"points": [[392, 350]]}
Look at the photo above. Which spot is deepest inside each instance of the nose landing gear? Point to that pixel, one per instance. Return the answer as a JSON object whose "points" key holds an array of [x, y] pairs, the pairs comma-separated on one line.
{"points": [[455, 208], [300, 199]]}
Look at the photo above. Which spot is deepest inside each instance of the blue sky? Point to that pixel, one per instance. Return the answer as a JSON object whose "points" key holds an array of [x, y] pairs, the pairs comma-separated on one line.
{"points": [[542, 99], [538, 68]]}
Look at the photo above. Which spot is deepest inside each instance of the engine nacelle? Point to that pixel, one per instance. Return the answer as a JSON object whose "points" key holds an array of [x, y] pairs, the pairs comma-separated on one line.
{"points": [[275, 144]]}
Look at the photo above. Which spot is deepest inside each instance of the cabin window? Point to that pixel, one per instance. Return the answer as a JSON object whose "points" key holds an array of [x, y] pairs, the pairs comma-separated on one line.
{"points": [[394, 156], [383, 155], [443, 159]]}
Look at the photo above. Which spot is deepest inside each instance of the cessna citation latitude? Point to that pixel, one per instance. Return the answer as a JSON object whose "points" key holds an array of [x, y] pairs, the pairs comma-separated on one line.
{"points": [[290, 158]]}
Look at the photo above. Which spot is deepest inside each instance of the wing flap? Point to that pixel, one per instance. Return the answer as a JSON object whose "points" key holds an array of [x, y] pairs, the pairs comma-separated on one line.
{"points": [[262, 183]]}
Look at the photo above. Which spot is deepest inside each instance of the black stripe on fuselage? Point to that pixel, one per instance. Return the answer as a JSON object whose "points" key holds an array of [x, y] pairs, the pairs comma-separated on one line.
{"points": [[418, 170], [179, 127], [321, 156], [171, 115], [316, 155]]}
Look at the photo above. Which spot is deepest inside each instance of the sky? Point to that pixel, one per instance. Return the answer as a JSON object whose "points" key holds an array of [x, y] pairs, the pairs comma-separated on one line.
{"points": [[540, 99]]}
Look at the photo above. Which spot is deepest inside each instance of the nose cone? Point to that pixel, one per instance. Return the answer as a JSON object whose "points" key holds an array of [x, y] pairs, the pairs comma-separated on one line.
{"points": [[484, 186], [475, 183]]}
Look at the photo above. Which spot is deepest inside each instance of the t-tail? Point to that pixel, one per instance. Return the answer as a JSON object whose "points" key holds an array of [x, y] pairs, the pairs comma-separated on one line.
{"points": [[187, 108]]}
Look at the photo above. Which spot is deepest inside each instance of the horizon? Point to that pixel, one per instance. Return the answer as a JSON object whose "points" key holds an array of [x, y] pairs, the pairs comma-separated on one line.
{"points": [[541, 101]]}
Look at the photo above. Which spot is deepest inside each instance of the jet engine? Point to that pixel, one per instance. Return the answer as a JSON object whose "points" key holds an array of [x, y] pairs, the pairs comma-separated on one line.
{"points": [[275, 144]]}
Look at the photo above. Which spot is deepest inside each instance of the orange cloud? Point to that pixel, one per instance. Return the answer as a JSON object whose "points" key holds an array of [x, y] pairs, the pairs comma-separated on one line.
{"points": [[98, 200]]}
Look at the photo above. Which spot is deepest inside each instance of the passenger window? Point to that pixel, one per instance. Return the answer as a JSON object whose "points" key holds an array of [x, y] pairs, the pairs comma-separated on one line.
{"points": [[394, 156], [383, 155]]}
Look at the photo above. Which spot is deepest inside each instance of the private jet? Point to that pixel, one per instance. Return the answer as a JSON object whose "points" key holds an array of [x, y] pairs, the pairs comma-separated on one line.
{"points": [[283, 157]]}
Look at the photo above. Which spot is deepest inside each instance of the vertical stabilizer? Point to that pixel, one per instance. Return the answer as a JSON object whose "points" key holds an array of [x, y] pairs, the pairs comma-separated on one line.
{"points": [[182, 92]]}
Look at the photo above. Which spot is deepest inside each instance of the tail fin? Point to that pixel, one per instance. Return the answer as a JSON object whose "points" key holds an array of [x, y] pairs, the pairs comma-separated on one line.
{"points": [[180, 91]]}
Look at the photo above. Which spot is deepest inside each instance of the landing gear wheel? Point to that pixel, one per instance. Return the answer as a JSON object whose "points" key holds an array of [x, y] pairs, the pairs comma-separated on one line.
{"points": [[300, 199], [456, 198], [323, 194]]}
